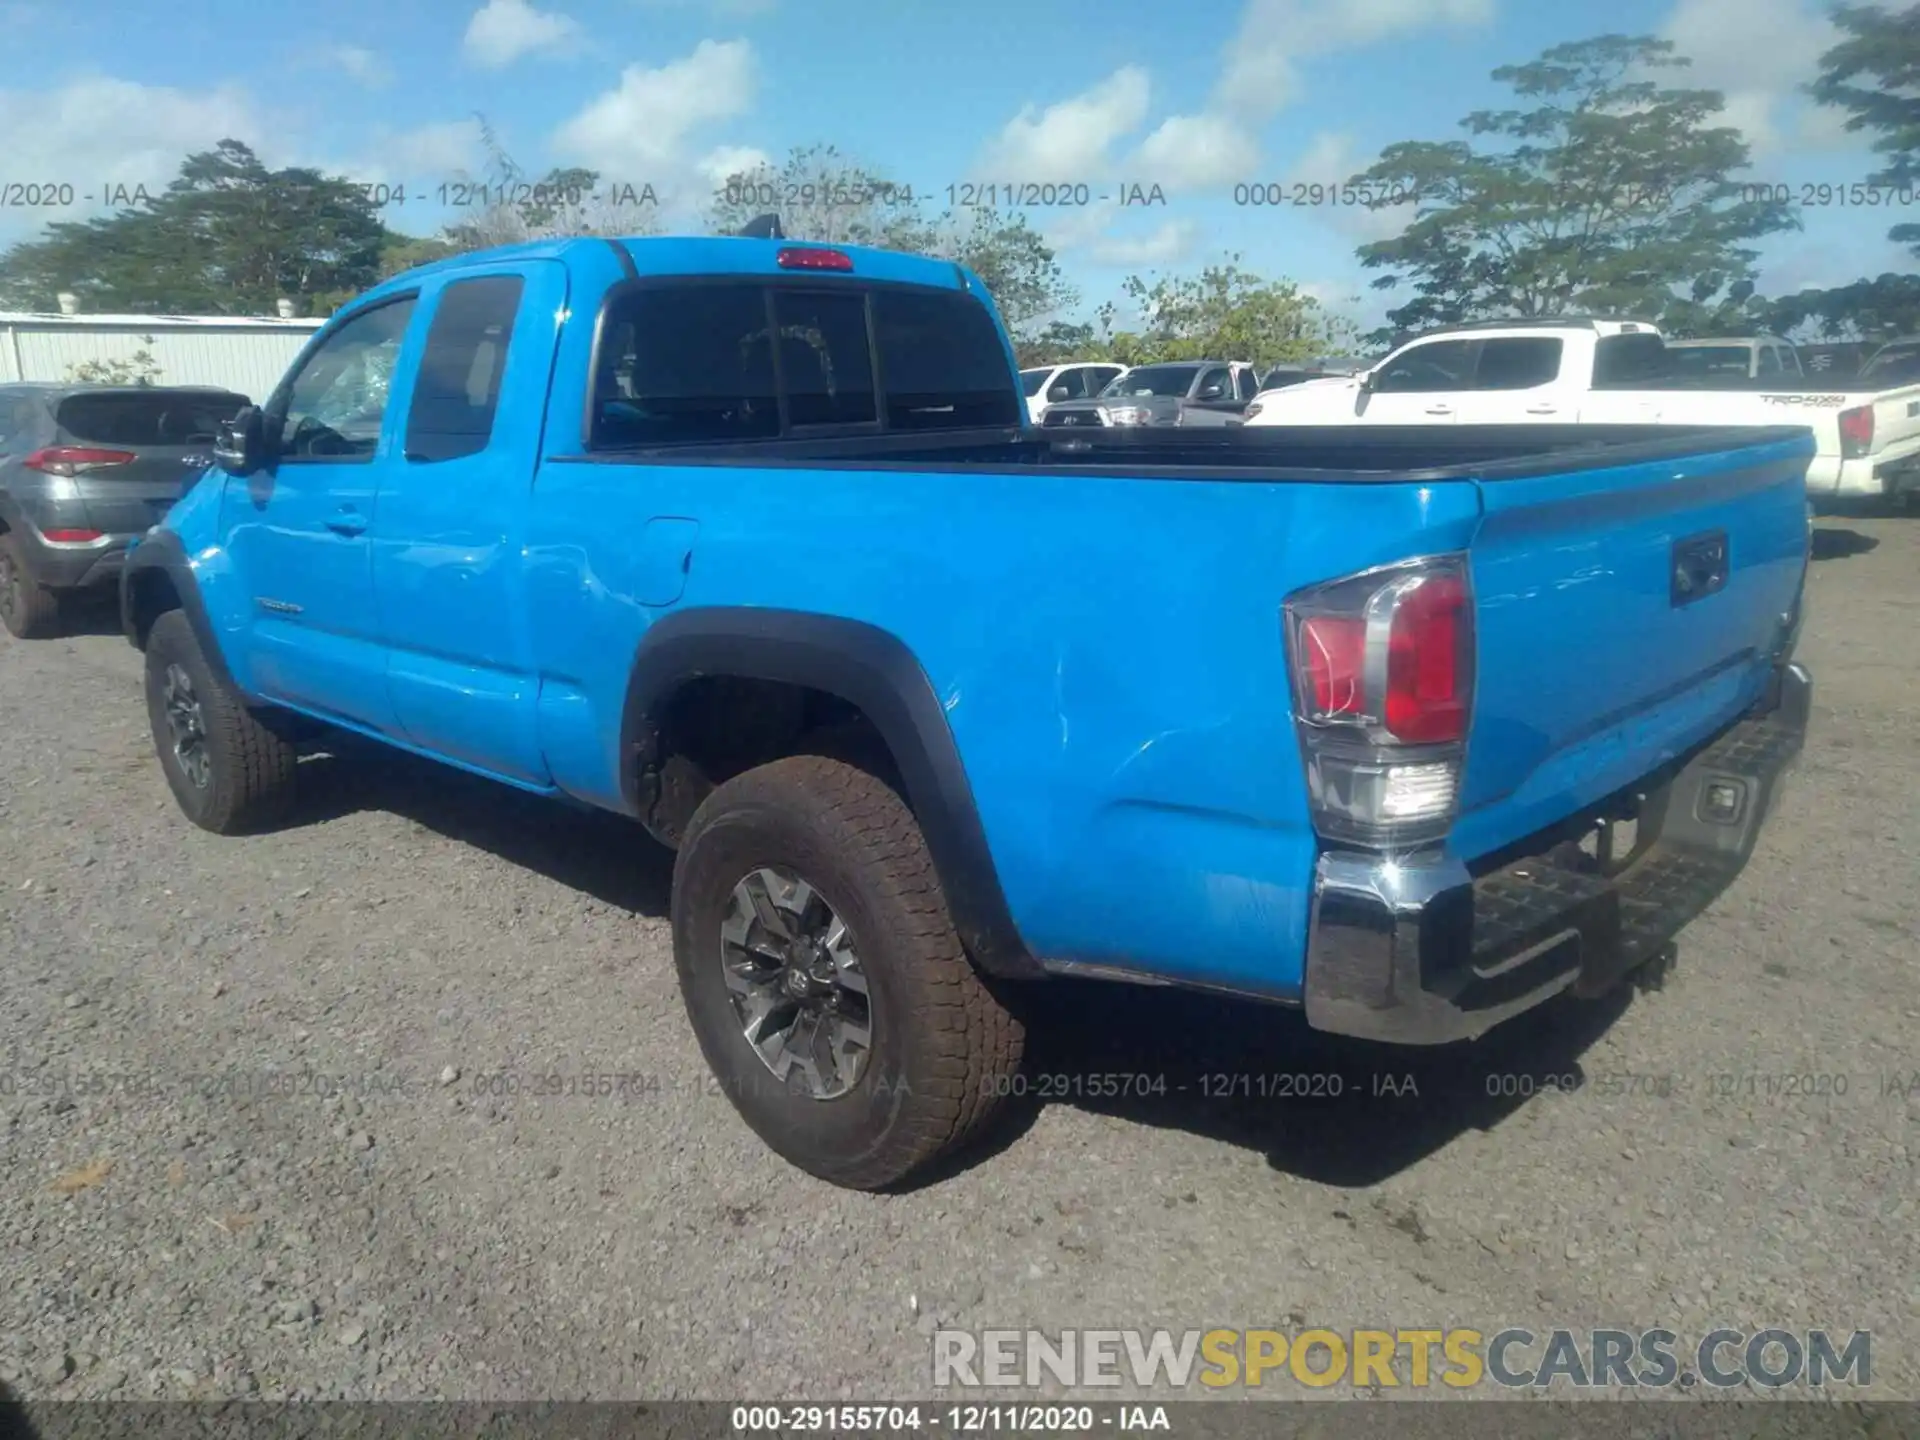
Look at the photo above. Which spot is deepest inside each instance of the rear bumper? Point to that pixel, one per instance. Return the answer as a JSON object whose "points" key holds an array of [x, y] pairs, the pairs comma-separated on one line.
{"points": [[72, 566], [1426, 954]]}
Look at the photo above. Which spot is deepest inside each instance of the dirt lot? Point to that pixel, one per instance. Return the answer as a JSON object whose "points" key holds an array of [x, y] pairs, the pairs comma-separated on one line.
{"points": [[185, 1213]]}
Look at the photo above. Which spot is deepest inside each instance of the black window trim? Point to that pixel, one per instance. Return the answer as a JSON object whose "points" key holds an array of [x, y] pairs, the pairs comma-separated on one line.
{"points": [[772, 283], [333, 328], [520, 277]]}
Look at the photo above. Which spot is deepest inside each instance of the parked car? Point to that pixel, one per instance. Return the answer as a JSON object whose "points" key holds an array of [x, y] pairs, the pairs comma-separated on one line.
{"points": [[1615, 372], [1742, 357], [82, 469], [1186, 392], [1050, 384], [1281, 376], [935, 706], [1835, 359]]}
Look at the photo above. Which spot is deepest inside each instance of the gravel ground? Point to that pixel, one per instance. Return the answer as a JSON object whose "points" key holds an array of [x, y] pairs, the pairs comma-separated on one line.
{"points": [[190, 1216]]}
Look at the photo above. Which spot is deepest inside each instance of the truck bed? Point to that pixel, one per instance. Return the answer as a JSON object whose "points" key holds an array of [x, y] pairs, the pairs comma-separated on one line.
{"points": [[1388, 454]]}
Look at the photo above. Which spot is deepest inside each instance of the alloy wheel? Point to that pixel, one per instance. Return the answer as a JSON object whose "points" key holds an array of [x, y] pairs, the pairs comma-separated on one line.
{"points": [[796, 983]]}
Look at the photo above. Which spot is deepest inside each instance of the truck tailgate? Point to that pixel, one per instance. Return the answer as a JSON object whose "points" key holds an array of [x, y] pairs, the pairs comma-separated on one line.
{"points": [[1624, 615]]}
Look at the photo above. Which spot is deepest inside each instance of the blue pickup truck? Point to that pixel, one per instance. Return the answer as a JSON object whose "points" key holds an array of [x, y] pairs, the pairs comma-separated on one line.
{"points": [[749, 540]]}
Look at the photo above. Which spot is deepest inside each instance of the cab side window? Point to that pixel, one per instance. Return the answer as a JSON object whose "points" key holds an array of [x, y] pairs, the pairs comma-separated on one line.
{"points": [[332, 408], [1440, 365], [458, 388]]}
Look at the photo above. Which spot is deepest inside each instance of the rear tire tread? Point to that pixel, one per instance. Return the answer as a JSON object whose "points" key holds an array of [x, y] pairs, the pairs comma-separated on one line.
{"points": [[972, 1042], [37, 612]]}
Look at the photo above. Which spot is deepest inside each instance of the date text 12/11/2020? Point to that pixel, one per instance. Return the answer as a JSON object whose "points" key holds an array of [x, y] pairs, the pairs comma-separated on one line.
{"points": [[381, 195]]}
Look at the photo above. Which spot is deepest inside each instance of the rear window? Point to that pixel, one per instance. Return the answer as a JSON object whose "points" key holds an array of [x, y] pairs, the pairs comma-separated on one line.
{"points": [[1621, 362], [713, 361], [147, 417], [1151, 380], [1710, 360]]}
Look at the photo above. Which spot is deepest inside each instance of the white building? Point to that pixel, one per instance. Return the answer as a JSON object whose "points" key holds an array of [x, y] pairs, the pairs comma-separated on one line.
{"points": [[243, 353]]}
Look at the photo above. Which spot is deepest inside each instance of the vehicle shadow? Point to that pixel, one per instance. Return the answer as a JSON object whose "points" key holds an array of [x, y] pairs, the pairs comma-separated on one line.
{"points": [[597, 853], [90, 615], [1835, 543], [1340, 1112]]}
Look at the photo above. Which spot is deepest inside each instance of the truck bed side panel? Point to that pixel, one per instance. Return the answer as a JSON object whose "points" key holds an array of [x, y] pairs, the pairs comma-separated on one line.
{"points": [[1109, 654]]}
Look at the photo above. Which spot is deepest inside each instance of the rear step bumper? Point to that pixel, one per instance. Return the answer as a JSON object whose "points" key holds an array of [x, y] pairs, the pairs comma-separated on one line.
{"points": [[1424, 954]]}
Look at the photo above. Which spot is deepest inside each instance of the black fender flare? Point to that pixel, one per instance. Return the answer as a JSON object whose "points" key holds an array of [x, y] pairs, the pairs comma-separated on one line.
{"points": [[161, 550], [867, 667]]}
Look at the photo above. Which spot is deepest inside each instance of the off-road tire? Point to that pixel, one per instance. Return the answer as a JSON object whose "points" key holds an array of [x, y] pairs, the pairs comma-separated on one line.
{"points": [[945, 1048], [251, 771], [29, 610]]}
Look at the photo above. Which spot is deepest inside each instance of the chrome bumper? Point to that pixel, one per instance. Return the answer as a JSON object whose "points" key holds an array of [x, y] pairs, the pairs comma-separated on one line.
{"points": [[1421, 952]]}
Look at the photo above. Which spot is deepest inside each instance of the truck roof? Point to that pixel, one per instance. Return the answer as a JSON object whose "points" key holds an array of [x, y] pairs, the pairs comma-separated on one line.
{"points": [[1758, 338], [700, 255], [1598, 324]]}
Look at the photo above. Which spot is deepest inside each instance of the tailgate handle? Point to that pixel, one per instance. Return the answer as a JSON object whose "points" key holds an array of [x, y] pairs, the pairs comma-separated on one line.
{"points": [[1699, 567]]}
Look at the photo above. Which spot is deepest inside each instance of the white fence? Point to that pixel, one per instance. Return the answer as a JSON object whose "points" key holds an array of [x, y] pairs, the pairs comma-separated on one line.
{"points": [[242, 354]]}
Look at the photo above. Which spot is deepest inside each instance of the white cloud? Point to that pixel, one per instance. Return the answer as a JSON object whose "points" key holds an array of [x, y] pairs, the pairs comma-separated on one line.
{"points": [[1068, 142], [639, 132], [724, 161], [418, 159], [1759, 53], [1078, 228], [1173, 242], [1332, 159], [501, 31], [98, 133], [1261, 76], [1196, 152], [360, 64]]}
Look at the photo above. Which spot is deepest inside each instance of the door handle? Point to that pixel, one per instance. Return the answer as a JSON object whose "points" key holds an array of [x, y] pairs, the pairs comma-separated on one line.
{"points": [[348, 522], [1543, 410], [1439, 410]]}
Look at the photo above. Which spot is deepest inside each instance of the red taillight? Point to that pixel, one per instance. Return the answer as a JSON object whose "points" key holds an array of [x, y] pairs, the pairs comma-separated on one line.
{"points": [[1856, 432], [1426, 702], [1383, 676], [71, 460], [71, 537], [813, 259]]}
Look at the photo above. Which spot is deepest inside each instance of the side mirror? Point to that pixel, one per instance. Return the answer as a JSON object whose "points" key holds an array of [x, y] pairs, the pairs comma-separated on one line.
{"points": [[241, 445], [1369, 381], [1212, 392], [1058, 392]]}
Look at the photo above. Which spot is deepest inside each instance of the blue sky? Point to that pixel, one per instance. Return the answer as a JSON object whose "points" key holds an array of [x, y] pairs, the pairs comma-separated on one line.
{"points": [[1194, 98]]}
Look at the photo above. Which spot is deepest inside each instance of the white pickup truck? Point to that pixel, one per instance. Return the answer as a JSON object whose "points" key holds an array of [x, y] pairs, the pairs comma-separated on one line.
{"points": [[1614, 372]]}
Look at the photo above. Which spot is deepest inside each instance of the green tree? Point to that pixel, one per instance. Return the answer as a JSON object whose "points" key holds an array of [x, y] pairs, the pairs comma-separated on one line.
{"points": [[823, 195], [139, 368], [1878, 309], [1224, 313], [1874, 75], [227, 237], [1608, 192], [1060, 341], [513, 207]]}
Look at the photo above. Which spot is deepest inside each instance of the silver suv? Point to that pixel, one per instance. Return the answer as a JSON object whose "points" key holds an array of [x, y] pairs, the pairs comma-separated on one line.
{"points": [[83, 469]]}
